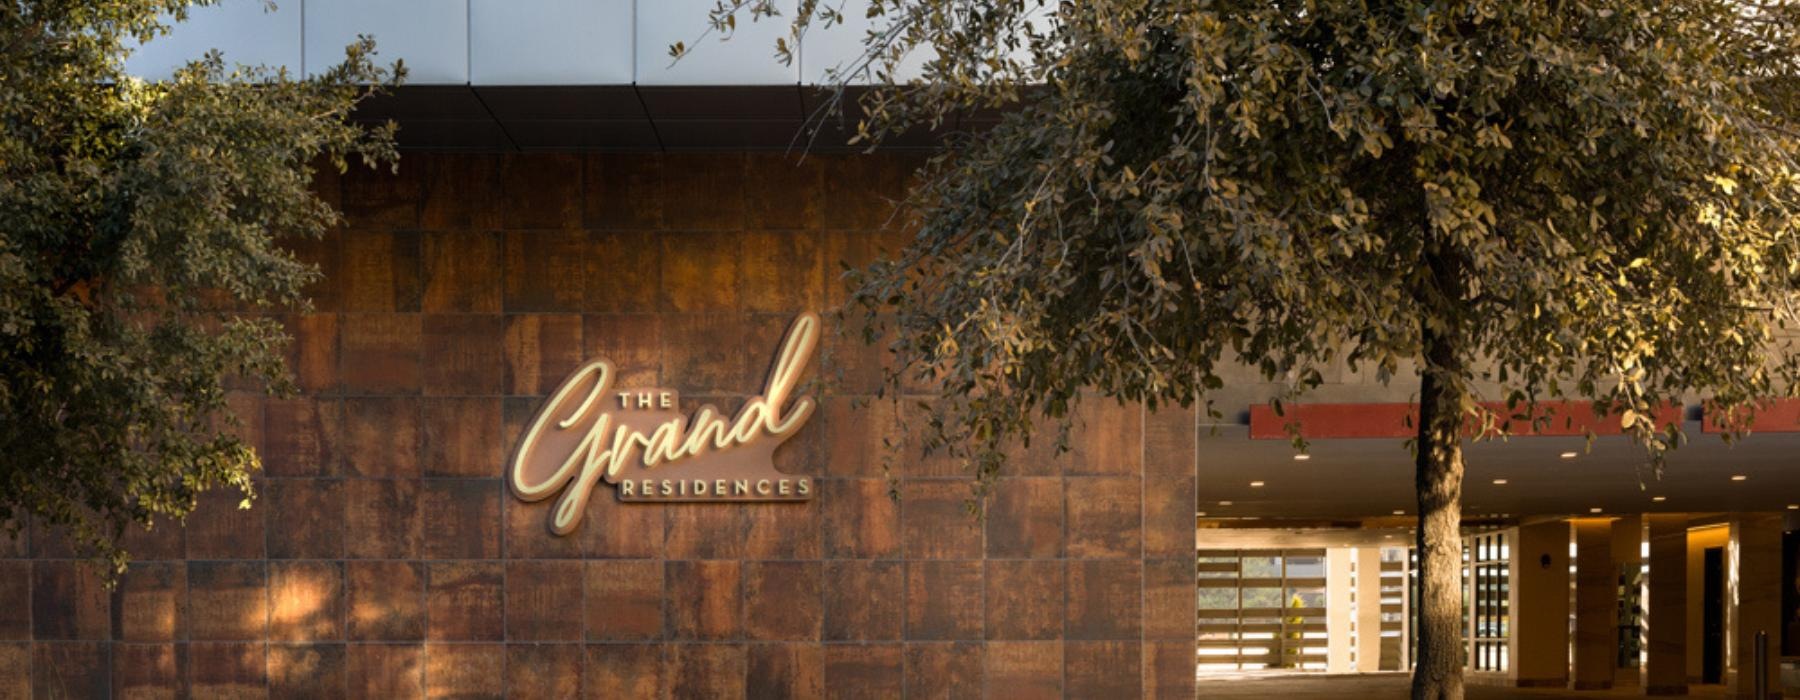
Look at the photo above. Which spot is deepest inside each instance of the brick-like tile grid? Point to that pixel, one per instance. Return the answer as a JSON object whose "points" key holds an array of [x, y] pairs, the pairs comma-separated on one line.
{"points": [[384, 558]]}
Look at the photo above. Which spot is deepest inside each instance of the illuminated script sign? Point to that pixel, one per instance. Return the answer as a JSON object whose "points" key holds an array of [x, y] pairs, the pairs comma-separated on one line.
{"points": [[638, 441]]}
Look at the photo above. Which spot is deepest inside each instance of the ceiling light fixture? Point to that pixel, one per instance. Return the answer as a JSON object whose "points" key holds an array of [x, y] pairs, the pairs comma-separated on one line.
{"points": [[1201, 514], [1739, 477], [1794, 506], [1302, 457], [1659, 499], [1224, 503], [1256, 484], [1595, 510], [1399, 512], [1568, 455], [1499, 482]]}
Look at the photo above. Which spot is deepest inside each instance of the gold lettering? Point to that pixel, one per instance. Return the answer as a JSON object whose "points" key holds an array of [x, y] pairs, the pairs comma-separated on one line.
{"points": [[762, 487]]}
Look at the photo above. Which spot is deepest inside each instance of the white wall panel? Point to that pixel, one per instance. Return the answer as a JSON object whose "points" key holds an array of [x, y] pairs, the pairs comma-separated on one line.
{"points": [[245, 31], [748, 58], [551, 42], [431, 36]]}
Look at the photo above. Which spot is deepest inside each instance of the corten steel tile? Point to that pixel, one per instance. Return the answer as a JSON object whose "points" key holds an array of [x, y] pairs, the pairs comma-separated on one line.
{"points": [[860, 191], [459, 190], [385, 600], [464, 354], [864, 601], [1025, 519], [463, 437], [163, 541], [1169, 601], [312, 355], [1105, 599], [50, 542], [15, 544], [851, 429], [228, 669], [461, 518], [465, 670], [303, 436], [461, 271], [633, 343], [325, 292], [703, 191], [540, 191], [1170, 435], [704, 600], [622, 191], [306, 518], [862, 521], [143, 671], [624, 671], [528, 534], [227, 600], [149, 602], [380, 353], [1105, 517], [784, 191], [622, 272], [381, 436], [706, 671], [382, 198], [1108, 439], [702, 530], [380, 270], [783, 530], [219, 529], [543, 270], [15, 600], [702, 271], [909, 435], [944, 669], [382, 519], [327, 183], [864, 670], [615, 530], [540, 350], [385, 670], [1103, 669], [786, 670], [935, 522], [943, 600], [307, 670], [69, 600], [1024, 599], [624, 600], [464, 601], [712, 355], [1024, 670], [15, 669], [1169, 670], [544, 600], [306, 601], [784, 272], [70, 669], [782, 600], [543, 670], [1169, 515], [843, 251]]}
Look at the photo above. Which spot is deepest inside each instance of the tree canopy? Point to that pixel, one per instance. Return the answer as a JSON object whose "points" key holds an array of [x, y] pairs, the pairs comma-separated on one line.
{"points": [[139, 256], [1509, 200]]}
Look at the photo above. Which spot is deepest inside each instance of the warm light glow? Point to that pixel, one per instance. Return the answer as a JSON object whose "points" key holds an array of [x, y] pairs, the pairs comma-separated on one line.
{"points": [[1302, 457], [1794, 506], [1256, 484], [1499, 482], [1659, 499], [1399, 512], [1224, 503], [1595, 510], [1739, 477], [1568, 455], [1201, 514]]}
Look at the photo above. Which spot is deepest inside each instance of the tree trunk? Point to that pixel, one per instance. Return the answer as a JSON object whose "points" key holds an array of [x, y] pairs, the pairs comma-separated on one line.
{"points": [[1438, 479]]}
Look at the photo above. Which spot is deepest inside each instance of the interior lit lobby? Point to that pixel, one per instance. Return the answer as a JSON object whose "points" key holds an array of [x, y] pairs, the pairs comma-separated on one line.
{"points": [[1585, 574]]}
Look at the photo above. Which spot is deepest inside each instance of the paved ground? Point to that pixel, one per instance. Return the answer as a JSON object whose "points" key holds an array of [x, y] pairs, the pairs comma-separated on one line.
{"points": [[1385, 686]]}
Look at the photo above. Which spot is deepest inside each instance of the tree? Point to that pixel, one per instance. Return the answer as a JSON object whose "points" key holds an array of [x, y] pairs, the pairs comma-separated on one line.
{"points": [[1511, 200], [139, 258]]}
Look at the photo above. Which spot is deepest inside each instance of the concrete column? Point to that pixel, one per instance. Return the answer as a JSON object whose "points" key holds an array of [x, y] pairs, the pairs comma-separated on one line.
{"points": [[1627, 557], [1338, 613], [1368, 609], [1665, 673], [1753, 604], [1596, 603], [1539, 635]]}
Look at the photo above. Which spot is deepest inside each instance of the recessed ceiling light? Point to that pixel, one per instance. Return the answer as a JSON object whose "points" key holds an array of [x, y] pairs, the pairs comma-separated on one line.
{"points": [[1256, 484], [1659, 499], [1739, 477], [1794, 506], [1568, 455], [1224, 503], [1201, 514], [1595, 510], [1399, 512], [1302, 457], [1499, 482]]}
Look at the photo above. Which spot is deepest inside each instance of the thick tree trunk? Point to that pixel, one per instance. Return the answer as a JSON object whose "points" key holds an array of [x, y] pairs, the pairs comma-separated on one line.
{"points": [[1438, 478]]}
